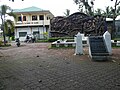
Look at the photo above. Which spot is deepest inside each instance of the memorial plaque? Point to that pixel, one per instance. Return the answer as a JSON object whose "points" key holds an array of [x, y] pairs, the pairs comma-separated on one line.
{"points": [[97, 45]]}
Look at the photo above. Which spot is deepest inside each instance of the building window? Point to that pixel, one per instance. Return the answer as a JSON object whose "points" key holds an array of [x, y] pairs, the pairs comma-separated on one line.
{"points": [[24, 18], [22, 34], [48, 18], [19, 18], [34, 17], [35, 32], [41, 17]]}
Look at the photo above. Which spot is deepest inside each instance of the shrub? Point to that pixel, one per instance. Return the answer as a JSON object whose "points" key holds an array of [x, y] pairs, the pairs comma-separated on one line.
{"points": [[13, 37], [116, 39], [52, 39], [1, 43], [42, 40], [56, 38]]}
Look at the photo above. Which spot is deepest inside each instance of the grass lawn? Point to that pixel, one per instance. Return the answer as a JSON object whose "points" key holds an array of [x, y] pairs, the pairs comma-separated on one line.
{"points": [[115, 46]]}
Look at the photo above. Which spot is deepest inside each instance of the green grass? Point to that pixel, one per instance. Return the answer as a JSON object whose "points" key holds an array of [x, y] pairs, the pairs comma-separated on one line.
{"points": [[69, 39], [7, 45], [115, 46], [38, 41], [118, 39]]}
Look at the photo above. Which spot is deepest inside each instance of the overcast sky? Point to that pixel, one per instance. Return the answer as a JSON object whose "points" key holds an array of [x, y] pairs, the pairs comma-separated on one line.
{"points": [[57, 7]]}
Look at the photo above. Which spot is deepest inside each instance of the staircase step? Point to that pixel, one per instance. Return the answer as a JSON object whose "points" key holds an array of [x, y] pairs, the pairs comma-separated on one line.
{"points": [[98, 49]]}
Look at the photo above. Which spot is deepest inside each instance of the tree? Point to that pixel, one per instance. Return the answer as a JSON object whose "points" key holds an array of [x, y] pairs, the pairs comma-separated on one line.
{"points": [[67, 13], [83, 4], [114, 11], [9, 28], [108, 12], [98, 11], [6, 23], [118, 11]]}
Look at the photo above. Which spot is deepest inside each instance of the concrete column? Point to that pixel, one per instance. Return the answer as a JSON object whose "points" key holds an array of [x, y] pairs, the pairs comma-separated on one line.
{"points": [[75, 39], [107, 38], [16, 34], [79, 46]]}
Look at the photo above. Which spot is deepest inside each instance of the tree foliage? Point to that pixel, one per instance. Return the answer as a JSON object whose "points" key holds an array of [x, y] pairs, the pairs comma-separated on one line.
{"points": [[108, 12], [98, 11], [7, 25], [84, 4], [67, 13]]}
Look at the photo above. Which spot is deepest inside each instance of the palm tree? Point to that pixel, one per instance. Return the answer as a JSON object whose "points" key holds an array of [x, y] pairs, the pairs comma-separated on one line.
{"points": [[108, 12], [98, 11], [84, 4], [67, 13], [3, 12], [9, 28]]}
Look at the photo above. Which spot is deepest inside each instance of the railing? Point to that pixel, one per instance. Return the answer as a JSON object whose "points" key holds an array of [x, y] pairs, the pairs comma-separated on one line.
{"points": [[24, 23]]}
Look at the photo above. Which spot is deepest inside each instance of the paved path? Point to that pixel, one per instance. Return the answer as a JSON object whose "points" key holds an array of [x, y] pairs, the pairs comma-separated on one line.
{"points": [[35, 67]]}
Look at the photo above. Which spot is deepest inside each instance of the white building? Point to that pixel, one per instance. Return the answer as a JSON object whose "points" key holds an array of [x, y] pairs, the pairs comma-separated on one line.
{"points": [[117, 24], [32, 20]]}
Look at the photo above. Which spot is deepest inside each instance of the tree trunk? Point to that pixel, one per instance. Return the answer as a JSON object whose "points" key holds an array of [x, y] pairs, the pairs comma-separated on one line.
{"points": [[3, 30]]}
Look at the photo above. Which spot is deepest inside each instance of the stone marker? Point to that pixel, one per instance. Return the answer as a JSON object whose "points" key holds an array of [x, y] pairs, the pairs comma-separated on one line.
{"points": [[107, 38], [79, 46]]}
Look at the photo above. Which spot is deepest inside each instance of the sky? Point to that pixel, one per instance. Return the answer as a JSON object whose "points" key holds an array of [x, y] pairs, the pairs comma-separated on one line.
{"points": [[56, 7]]}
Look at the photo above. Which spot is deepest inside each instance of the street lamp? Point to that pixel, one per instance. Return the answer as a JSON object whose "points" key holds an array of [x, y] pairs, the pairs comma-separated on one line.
{"points": [[114, 16]]}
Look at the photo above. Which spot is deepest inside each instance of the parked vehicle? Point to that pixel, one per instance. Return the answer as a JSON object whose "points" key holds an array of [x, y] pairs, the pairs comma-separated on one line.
{"points": [[30, 38], [18, 42]]}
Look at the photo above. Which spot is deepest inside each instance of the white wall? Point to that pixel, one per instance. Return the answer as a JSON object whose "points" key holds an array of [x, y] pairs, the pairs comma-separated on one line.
{"points": [[21, 30], [41, 31], [29, 30]]}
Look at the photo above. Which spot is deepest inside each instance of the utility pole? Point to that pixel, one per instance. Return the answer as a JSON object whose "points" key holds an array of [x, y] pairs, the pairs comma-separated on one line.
{"points": [[2, 28]]}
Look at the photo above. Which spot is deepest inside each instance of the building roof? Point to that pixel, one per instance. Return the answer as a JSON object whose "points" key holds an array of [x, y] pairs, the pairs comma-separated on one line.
{"points": [[118, 17], [109, 19], [29, 9]]}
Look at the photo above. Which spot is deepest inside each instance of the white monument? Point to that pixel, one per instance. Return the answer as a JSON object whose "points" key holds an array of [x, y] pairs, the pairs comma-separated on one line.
{"points": [[107, 38], [79, 46]]}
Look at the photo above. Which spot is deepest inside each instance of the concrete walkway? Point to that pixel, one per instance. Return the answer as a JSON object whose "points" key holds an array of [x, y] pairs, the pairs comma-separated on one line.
{"points": [[35, 67]]}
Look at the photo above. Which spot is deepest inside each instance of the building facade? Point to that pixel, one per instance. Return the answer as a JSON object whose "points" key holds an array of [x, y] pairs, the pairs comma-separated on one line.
{"points": [[117, 24], [32, 20]]}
